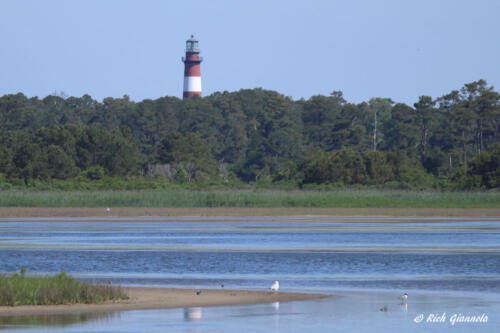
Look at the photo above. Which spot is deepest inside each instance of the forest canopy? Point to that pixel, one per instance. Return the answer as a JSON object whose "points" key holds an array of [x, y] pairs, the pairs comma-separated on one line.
{"points": [[256, 135]]}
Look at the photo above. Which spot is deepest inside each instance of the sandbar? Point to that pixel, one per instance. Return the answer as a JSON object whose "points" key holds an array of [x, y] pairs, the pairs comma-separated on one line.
{"points": [[145, 298]]}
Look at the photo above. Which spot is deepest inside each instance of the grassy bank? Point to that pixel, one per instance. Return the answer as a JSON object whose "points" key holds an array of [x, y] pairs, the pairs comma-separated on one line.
{"points": [[251, 199], [59, 289]]}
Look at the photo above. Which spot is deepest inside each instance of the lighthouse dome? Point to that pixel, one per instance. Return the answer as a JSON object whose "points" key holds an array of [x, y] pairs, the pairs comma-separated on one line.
{"points": [[192, 45]]}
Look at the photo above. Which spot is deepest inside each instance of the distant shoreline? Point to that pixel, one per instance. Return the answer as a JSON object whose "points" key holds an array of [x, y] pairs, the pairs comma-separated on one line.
{"points": [[143, 298], [338, 213]]}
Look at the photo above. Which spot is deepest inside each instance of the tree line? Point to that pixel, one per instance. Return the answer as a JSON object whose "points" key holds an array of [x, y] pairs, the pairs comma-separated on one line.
{"points": [[256, 135]]}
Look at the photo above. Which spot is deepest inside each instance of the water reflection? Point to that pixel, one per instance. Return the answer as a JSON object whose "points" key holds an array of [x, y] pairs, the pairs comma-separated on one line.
{"points": [[276, 316], [276, 306], [192, 314], [404, 306], [57, 320]]}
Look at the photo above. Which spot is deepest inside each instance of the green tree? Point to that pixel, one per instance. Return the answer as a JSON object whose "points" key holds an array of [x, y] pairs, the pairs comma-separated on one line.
{"points": [[426, 116], [189, 153], [380, 112], [401, 132], [484, 169], [378, 169], [319, 116]]}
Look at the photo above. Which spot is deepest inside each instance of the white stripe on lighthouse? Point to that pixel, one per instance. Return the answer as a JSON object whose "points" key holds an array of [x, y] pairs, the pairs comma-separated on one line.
{"points": [[192, 83]]}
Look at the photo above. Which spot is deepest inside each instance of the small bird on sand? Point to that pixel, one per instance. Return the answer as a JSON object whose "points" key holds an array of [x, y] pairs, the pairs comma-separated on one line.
{"points": [[384, 309], [403, 297], [108, 209], [275, 287], [198, 292]]}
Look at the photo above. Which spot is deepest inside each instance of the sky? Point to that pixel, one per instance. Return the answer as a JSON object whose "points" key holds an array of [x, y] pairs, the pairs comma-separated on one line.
{"points": [[395, 49]]}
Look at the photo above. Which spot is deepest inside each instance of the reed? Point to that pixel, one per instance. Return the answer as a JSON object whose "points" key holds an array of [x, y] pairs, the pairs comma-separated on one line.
{"points": [[250, 198]]}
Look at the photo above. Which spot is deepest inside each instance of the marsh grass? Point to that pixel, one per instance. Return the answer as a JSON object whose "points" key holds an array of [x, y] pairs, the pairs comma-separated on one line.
{"points": [[19, 289], [250, 198]]}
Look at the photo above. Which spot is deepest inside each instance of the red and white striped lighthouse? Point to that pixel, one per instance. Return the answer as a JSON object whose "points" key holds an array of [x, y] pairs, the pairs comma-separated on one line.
{"points": [[192, 72]]}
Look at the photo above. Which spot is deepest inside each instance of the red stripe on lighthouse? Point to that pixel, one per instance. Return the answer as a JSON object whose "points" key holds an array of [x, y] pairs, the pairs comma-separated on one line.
{"points": [[192, 69], [193, 56]]}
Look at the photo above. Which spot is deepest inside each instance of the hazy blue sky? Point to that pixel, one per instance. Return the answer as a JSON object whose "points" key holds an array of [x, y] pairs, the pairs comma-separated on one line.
{"points": [[397, 49]]}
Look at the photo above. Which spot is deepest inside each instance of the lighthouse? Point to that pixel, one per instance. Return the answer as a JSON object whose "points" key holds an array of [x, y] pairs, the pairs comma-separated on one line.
{"points": [[192, 72]]}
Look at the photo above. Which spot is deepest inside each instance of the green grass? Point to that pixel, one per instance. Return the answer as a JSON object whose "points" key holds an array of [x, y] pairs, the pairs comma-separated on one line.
{"points": [[19, 289], [249, 198]]}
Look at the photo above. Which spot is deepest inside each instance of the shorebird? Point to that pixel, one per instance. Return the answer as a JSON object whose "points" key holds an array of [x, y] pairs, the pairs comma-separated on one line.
{"points": [[222, 285], [403, 298], [275, 286], [198, 292]]}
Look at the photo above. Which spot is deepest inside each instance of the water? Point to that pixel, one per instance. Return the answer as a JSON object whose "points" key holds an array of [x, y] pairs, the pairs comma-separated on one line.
{"points": [[444, 265]]}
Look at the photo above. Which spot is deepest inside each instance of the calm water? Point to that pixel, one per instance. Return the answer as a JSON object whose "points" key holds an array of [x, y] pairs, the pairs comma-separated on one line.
{"points": [[444, 266]]}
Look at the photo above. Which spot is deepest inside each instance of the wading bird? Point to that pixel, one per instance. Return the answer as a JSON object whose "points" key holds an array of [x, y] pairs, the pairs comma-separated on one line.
{"points": [[275, 286]]}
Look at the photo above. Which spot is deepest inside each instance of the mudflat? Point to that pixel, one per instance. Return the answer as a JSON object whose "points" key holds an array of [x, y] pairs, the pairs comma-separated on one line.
{"points": [[142, 298], [241, 212]]}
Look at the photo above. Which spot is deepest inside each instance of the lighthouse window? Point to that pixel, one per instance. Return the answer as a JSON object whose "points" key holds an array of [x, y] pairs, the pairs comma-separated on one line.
{"points": [[189, 45]]}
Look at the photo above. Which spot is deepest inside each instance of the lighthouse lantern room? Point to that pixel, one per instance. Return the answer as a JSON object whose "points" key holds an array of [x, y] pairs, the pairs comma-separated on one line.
{"points": [[192, 71]]}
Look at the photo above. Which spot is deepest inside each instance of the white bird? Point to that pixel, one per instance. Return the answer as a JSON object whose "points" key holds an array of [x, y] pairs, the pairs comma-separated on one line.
{"points": [[275, 286], [108, 209], [403, 297]]}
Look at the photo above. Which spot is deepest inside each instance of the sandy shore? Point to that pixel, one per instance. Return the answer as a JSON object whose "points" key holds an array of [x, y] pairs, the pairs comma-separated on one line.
{"points": [[237, 212], [163, 298]]}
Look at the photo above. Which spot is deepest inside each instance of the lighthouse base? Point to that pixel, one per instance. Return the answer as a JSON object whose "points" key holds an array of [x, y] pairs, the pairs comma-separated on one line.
{"points": [[188, 94]]}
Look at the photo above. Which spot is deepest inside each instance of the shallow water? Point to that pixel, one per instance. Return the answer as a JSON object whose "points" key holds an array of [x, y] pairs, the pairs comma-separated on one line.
{"points": [[368, 263]]}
